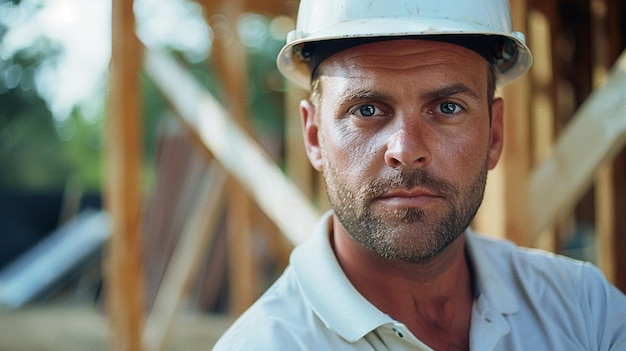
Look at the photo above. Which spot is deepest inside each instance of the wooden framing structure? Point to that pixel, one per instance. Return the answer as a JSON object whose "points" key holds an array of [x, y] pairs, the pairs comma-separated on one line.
{"points": [[550, 161], [123, 196]]}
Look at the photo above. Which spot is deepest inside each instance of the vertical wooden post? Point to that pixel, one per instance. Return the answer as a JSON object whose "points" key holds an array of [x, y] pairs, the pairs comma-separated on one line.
{"points": [[123, 270], [229, 57], [619, 240], [517, 155], [505, 212], [604, 196], [615, 7], [543, 22]]}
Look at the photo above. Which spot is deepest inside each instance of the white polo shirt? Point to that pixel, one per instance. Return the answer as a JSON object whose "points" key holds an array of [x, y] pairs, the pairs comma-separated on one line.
{"points": [[526, 300]]}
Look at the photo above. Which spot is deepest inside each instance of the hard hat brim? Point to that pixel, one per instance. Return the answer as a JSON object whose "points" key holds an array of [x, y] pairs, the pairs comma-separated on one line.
{"points": [[296, 70]]}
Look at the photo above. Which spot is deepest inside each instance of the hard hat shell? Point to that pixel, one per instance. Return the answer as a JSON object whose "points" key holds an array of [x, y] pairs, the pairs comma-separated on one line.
{"points": [[323, 20]]}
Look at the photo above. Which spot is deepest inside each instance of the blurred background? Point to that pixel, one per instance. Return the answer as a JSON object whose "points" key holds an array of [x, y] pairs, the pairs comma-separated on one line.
{"points": [[147, 149]]}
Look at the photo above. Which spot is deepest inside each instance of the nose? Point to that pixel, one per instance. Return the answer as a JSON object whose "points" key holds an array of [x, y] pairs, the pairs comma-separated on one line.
{"points": [[408, 148]]}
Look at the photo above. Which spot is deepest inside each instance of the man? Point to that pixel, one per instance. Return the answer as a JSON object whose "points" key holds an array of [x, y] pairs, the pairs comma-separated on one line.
{"points": [[404, 125]]}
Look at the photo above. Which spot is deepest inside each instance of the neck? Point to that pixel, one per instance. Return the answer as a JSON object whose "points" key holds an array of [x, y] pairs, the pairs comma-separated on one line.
{"points": [[430, 298]]}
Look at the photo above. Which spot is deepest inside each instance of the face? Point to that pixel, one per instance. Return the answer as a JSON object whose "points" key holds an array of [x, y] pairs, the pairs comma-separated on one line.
{"points": [[402, 132]]}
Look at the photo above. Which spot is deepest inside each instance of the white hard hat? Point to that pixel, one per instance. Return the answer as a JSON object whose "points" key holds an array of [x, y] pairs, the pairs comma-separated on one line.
{"points": [[342, 23]]}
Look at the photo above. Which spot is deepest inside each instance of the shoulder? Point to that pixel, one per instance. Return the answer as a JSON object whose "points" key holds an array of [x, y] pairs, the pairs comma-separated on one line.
{"points": [[555, 287], [503, 255], [279, 320], [537, 271]]}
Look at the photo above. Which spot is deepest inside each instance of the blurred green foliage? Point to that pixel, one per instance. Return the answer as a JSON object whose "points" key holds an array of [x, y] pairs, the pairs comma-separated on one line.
{"points": [[40, 152], [32, 155]]}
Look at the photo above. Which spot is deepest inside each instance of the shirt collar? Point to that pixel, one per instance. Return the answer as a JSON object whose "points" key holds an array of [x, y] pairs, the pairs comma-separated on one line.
{"points": [[488, 280], [331, 295], [342, 308]]}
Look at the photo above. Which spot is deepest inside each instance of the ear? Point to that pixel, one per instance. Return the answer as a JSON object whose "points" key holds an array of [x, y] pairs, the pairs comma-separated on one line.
{"points": [[497, 132], [310, 131]]}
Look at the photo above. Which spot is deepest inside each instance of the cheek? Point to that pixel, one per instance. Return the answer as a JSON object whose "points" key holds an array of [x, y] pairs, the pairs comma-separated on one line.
{"points": [[351, 154], [465, 154]]}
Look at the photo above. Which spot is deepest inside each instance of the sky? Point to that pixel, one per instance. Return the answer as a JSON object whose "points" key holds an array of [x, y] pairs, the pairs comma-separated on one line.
{"points": [[77, 77]]}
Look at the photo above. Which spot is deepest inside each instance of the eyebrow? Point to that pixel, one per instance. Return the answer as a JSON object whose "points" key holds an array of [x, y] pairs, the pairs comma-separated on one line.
{"points": [[440, 93], [451, 90], [363, 95]]}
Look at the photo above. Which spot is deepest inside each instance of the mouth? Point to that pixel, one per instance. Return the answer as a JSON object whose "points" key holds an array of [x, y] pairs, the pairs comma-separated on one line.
{"points": [[409, 198]]}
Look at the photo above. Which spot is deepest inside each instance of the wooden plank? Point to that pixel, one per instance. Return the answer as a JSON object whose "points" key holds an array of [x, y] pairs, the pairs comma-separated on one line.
{"points": [[275, 194], [615, 9], [596, 133], [619, 238], [187, 257], [123, 274], [179, 170], [603, 195], [543, 98], [605, 221], [229, 58], [542, 108], [504, 210], [243, 268], [516, 159]]}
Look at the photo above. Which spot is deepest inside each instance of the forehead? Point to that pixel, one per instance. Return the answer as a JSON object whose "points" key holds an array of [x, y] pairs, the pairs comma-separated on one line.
{"points": [[407, 62]]}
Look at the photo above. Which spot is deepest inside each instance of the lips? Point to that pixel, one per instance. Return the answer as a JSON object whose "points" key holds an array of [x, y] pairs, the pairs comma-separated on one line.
{"points": [[410, 193], [404, 198]]}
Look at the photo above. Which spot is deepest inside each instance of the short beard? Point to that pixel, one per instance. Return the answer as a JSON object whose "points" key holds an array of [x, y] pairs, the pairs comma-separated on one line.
{"points": [[410, 235]]}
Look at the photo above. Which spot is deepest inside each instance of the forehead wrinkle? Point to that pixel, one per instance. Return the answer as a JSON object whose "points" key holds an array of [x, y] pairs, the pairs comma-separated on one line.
{"points": [[352, 93], [362, 66], [359, 65], [406, 56]]}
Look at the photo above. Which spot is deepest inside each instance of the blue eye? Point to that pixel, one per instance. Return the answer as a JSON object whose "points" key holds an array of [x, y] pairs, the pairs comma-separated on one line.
{"points": [[367, 110], [449, 108]]}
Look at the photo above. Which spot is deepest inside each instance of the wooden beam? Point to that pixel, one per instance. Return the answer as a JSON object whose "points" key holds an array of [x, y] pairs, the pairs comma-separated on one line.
{"points": [[187, 257], [604, 196], [543, 98], [619, 239], [123, 271], [615, 9], [516, 158], [242, 258], [596, 133], [605, 221], [275, 194], [229, 59]]}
